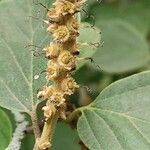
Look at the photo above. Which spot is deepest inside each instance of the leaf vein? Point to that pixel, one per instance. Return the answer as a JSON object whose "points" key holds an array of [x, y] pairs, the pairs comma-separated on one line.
{"points": [[15, 97], [92, 130], [108, 98], [134, 125], [16, 61], [32, 36], [121, 114], [109, 128]]}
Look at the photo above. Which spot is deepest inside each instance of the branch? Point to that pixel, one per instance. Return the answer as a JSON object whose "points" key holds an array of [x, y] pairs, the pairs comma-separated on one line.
{"points": [[35, 124]]}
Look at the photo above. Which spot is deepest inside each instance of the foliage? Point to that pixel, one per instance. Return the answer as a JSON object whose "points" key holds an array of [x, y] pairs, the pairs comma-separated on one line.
{"points": [[5, 130], [119, 117]]}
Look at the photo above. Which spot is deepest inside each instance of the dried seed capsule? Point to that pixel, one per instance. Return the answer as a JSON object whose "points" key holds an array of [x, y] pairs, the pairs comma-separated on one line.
{"points": [[57, 98], [73, 27], [75, 24], [52, 51], [75, 49], [46, 92], [79, 3], [68, 85], [66, 60], [65, 7], [69, 6], [47, 112], [54, 15], [61, 34], [53, 70], [52, 27]]}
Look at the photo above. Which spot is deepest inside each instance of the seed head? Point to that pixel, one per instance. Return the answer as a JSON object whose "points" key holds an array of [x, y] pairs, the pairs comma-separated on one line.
{"points": [[53, 70], [62, 56], [65, 7], [46, 92], [52, 51], [66, 60], [61, 34], [69, 85], [47, 112], [53, 15], [57, 99]]}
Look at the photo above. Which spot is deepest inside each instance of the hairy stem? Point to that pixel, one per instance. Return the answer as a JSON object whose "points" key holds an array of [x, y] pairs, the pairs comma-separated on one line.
{"points": [[49, 128], [48, 131], [76, 113], [35, 124]]}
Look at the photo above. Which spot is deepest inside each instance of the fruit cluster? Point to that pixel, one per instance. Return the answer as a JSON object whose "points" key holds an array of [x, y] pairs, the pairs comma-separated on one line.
{"points": [[62, 56]]}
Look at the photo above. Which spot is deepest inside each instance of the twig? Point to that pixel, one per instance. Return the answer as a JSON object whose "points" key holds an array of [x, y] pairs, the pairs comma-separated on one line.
{"points": [[49, 127], [36, 128]]}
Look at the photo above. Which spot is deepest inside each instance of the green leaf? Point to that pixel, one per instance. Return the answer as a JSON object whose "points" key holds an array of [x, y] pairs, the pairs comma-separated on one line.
{"points": [[65, 138], [135, 12], [5, 130], [124, 48], [18, 65], [119, 117], [89, 36], [18, 28]]}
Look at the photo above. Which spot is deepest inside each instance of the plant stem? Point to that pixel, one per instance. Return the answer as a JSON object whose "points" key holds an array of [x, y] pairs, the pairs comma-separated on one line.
{"points": [[47, 134], [74, 114], [61, 54], [35, 124]]}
